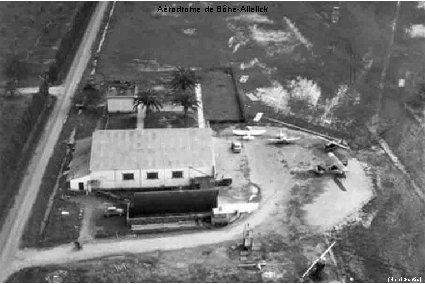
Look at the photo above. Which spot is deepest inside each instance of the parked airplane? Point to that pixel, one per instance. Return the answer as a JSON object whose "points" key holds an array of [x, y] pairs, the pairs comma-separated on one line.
{"points": [[283, 139], [249, 133], [332, 145]]}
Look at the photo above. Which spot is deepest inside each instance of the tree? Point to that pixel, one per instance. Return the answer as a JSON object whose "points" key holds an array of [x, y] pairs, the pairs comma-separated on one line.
{"points": [[187, 101], [149, 99], [183, 79], [15, 71], [43, 88]]}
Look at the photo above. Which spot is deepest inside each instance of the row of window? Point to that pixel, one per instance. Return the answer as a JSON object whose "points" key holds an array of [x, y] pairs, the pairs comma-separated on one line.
{"points": [[152, 175]]}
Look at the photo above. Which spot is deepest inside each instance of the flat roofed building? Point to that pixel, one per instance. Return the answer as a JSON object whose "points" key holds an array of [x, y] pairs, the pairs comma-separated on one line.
{"points": [[120, 96], [149, 158]]}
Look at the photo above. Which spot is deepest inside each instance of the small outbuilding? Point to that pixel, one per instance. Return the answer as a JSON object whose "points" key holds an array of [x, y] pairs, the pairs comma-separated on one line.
{"points": [[120, 96]]}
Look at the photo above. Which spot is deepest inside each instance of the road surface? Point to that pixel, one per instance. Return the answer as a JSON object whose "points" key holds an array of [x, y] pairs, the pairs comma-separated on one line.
{"points": [[14, 224]]}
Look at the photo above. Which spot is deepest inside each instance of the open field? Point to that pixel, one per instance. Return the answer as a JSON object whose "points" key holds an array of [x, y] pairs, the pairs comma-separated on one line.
{"points": [[11, 111], [164, 119], [33, 29], [122, 121]]}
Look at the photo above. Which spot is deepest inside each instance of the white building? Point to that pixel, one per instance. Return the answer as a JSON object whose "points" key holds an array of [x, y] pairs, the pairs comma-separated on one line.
{"points": [[120, 97], [147, 158]]}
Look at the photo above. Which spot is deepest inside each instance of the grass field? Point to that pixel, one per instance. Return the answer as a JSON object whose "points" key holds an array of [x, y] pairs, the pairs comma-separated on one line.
{"points": [[293, 42], [11, 111], [33, 29], [165, 119], [219, 96], [122, 121]]}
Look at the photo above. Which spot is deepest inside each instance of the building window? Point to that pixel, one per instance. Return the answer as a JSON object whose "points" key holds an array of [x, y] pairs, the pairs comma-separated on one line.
{"points": [[152, 175], [177, 174], [128, 176]]}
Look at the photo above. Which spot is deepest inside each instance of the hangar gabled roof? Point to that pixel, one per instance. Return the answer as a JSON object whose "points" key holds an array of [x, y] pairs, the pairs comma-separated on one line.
{"points": [[162, 148]]}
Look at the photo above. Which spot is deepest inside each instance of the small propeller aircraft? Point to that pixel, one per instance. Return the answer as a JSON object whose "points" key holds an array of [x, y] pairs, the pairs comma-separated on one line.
{"points": [[283, 139], [249, 133]]}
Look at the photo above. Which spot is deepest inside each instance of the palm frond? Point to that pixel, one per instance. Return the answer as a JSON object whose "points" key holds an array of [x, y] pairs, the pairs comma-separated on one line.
{"points": [[183, 79], [149, 99]]}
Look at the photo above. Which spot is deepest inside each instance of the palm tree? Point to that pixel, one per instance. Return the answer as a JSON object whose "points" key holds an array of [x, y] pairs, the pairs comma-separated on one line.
{"points": [[187, 101], [183, 79], [149, 99]]}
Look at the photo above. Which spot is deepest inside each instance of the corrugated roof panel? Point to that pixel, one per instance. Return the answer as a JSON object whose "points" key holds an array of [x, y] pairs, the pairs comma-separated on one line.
{"points": [[151, 148]]}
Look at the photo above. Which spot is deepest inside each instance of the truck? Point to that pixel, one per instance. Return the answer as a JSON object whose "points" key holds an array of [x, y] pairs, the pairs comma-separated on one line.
{"points": [[236, 147], [113, 211]]}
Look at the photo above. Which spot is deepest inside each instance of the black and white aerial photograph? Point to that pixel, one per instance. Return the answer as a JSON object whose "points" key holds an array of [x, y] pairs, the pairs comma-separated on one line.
{"points": [[219, 142]]}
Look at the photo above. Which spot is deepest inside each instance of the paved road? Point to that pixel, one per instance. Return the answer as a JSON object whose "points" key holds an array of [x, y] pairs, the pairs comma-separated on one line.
{"points": [[13, 227]]}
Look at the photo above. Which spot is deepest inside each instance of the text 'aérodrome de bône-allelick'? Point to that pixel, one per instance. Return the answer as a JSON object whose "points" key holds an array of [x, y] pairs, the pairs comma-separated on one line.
{"points": [[211, 9]]}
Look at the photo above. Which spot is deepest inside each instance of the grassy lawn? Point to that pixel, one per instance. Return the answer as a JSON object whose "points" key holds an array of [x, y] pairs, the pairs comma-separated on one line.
{"points": [[170, 119], [33, 29], [11, 112], [61, 228], [110, 227], [219, 96], [122, 121]]}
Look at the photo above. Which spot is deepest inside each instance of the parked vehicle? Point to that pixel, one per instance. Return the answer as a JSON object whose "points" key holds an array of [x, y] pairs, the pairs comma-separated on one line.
{"points": [[224, 182], [236, 147], [113, 211]]}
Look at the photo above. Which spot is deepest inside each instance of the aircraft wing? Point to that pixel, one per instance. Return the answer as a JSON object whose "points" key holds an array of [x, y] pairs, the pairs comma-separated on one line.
{"points": [[336, 143], [337, 162], [257, 132], [291, 139], [240, 132], [284, 140]]}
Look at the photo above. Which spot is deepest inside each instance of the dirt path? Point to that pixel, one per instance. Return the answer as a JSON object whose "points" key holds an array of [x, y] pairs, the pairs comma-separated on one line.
{"points": [[387, 58], [18, 215], [269, 174]]}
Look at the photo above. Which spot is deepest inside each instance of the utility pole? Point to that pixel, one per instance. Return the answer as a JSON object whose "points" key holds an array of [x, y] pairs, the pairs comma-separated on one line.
{"points": [[317, 260]]}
